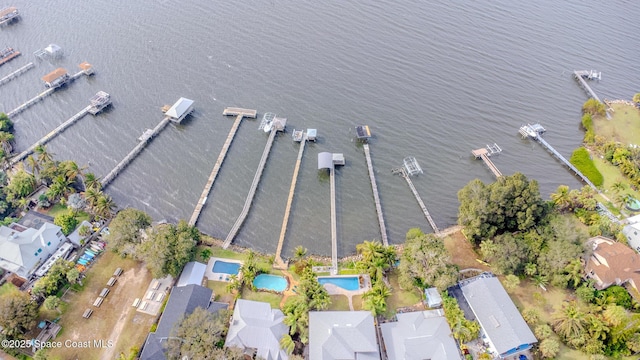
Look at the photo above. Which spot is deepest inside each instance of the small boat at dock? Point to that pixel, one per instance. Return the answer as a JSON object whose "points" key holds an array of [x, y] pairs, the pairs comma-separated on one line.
{"points": [[8, 54]]}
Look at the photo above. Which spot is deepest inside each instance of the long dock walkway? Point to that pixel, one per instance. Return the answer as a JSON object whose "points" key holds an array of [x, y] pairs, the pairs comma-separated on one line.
{"points": [[16, 73], [42, 95], [406, 176], [240, 114], [334, 224], [376, 196], [279, 262], [252, 191], [581, 76], [133, 153], [485, 153]]}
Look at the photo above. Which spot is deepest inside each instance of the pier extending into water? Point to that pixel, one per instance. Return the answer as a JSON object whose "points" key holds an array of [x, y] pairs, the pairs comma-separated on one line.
{"points": [[87, 69], [411, 167], [485, 153], [273, 126], [376, 196], [16, 73], [582, 76], [98, 102], [240, 114], [329, 161]]}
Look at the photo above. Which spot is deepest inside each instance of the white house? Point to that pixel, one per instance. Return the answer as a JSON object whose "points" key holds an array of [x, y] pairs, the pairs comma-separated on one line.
{"points": [[632, 232], [24, 249]]}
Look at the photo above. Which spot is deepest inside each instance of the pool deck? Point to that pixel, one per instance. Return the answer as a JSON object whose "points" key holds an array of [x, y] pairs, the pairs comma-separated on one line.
{"points": [[224, 277], [336, 290]]}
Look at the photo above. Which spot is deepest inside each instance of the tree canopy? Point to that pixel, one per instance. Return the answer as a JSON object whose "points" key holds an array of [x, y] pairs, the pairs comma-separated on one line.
{"points": [[197, 335], [425, 262], [17, 313], [512, 203], [124, 230], [168, 248]]}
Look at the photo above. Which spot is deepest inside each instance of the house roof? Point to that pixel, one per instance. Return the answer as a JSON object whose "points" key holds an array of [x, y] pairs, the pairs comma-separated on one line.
{"points": [[22, 247], [180, 108], [342, 335], [182, 301], [496, 313], [193, 273], [613, 262], [256, 326], [419, 335], [55, 74]]}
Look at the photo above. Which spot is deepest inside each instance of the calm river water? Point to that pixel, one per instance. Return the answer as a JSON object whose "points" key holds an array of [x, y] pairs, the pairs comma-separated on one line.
{"points": [[433, 80]]}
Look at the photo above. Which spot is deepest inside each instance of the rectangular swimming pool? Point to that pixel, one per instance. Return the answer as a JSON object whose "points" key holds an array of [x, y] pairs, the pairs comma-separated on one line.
{"points": [[226, 267], [345, 282]]}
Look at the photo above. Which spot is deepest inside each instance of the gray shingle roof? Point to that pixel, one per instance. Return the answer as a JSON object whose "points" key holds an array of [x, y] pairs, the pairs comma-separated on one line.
{"points": [[182, 302], [256, 326], [419, 335], [496, 313], [179, 108], [342, 335]]}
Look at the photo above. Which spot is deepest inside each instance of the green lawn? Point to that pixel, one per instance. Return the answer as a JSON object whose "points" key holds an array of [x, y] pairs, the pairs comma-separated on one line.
{"points": [[624, 125], [357, 302], [612, 175], [58, 209], [273, 299], [339, 303], [400, 298]]}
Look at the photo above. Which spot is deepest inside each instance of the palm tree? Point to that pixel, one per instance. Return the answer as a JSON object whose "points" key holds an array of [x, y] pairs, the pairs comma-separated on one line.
{"points": [[299, 253], [71, 170], [618, 187], [570, 322], [287, 344], [60, 187], [561, 198], [530, 269], [33, 164], [43, 155], [574, 272], [375, 300], [5, 141], [92, 195], [91, 181], [104, 207]]}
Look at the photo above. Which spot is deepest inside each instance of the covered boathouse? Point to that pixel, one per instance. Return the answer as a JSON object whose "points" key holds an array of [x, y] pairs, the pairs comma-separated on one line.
{"points": [[180, 109], [56, 78]]}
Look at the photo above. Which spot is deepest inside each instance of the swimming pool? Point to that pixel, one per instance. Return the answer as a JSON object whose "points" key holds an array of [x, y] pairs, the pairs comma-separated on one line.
{"points": [[270, 282], [226, 267], [345, 282], [632, 203]]}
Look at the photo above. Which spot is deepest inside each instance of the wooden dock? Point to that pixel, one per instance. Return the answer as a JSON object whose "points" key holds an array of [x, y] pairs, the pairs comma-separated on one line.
{"points": [[252, 191], [44, 94], [133, 153], [334, 224], [582, 76], [484, 154], [279, 262], [16, 73], [406, 176], [240, 114], [376, 196]]}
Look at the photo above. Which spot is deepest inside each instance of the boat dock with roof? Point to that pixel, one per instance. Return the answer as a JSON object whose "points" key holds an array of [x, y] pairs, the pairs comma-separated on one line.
{"points": [[329, 161], [302, 137], [411, 167], [14, 74], [8, 14], [8, 54], [146, 138], [97, 103], [52, 81], [272, 124], [239, 114], [485, 153], [363, 133]]}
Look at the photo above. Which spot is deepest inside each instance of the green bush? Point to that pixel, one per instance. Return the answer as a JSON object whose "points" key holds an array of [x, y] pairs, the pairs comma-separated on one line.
{"points": [[587, 122], [583, 162]]}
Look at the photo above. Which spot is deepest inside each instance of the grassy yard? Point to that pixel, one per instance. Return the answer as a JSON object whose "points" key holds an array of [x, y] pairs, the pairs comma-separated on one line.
{"points": [[339, 303], [462, 253], [399, 298], [273, 299], [115, 320], [58, 209], [357, 302], [624, 125]]}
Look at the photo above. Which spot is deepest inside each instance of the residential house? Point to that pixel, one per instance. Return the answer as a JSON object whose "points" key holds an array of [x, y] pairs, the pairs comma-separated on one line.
{"points": [[342, 335], [23, 249], [257, 329], [632, 232], [503, 329], [612, 263], [419, 335], [182, 302], [192, 273]]}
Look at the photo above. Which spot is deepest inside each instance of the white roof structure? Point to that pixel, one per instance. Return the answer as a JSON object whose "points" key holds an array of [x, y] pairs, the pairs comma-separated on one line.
{"points": [[180, 109], [255, 325], [497, 314], [342, 335], [419, 335], [23, 249], [192, 274], [434, 300]]}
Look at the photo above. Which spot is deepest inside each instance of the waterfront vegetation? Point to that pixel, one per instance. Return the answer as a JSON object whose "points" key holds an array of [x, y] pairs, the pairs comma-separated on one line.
{"points": [[581, 159]]}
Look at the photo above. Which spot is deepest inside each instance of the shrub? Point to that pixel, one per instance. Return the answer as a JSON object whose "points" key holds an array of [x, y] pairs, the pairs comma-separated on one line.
{"points": [[67, 221], [593, 107], [587, 122], [583, 162]]}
